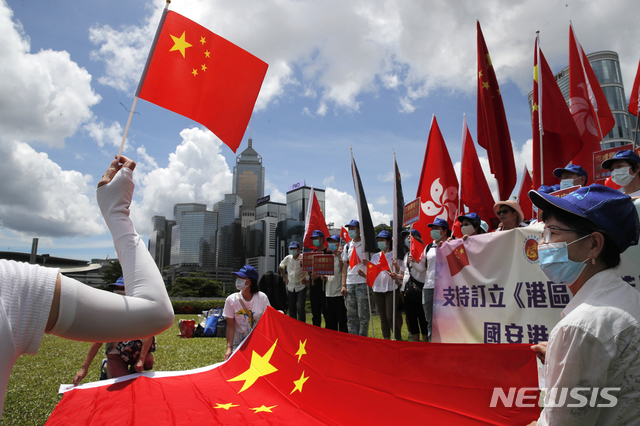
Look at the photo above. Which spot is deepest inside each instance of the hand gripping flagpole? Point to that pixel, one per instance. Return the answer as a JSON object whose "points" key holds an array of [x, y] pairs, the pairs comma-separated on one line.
{"points": [[144, 73]]}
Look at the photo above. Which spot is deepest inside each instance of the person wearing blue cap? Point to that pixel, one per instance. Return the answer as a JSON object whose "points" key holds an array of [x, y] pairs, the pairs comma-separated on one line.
{"points": [[624, 171], [470, 224], [291, 270], [572, 175], [412, 287], [336, 314], [596, 344], [317, 298], [244, 308], [354, 287]]}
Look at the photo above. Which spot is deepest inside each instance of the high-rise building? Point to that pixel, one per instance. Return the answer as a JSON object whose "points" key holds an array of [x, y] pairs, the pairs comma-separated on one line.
{"points": [[160, 240], [248, 181], [198, 238], [229, 243], [298, 202]]}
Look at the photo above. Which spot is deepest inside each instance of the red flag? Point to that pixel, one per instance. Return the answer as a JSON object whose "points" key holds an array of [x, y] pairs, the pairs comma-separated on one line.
{"points": [[457, 259], [586, 97], [383, 263], [474, 190], [635, 94], [289, 372], [198, 74], [416, 249], [314, 221], [354, 260], [555, 135], [373, 270], [493, 131], [523, 198], [456, 231], [438, 186], [344, 234]]}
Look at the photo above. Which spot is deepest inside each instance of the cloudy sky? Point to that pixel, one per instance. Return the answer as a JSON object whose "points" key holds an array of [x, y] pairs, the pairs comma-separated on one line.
{"points": [[364, 74]]}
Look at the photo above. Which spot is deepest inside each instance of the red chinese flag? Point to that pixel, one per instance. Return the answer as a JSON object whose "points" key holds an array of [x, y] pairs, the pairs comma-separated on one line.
{"points": [[438, 186], [383, 263], [635, 94], [474, 190], [196, 73], [457, 259], [314, 221], [354, 260], [493, 131], [555, 135], [456, 231], [344, 234], [523, 198], [289, 372], [416, 249], [373, 271], [586, 96]]}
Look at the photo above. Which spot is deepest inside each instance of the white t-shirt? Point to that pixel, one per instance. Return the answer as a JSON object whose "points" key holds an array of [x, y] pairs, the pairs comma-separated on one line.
{"points": [[333, 286], [233, 309], [352, 273], [26, 292], [384, 282], [294, 272], [418, 274]]}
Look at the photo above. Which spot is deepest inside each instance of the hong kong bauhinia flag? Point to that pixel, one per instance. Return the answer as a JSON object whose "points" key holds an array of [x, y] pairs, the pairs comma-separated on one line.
{"points": [[198, 74], [438, 186], [288, 372]]}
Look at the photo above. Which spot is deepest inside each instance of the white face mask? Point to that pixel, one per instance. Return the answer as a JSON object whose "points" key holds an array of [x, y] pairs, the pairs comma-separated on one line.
{"points": [[467, 229], [566, 183], [241, 283], [622, 176]]}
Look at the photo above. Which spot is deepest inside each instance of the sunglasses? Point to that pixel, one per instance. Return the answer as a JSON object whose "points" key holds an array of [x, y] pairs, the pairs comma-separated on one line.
{"points": [[503, 212]]}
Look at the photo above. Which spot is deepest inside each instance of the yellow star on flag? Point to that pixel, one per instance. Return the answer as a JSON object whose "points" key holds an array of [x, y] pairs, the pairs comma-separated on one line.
{"points": [[207, 53], [180, 44], [194, 72], [489, 64], [301, 350], [480, 73], [485, 85], [204, 67], [299, 383], [226, 406], [535, 73], [264, 409], [535, 107], [259, 367], [202, 40]]}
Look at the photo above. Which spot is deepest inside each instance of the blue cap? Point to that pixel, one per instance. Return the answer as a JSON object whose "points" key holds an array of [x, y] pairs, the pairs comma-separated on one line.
{"points": [[571, 168], [294, 244], [384, 234], [439, 222], [119, 282], [621, 155], [247, 271], [608, 209], [334, 237], [415, 233], [546, 189], [471, 216], [317, 233], [353, 223]]}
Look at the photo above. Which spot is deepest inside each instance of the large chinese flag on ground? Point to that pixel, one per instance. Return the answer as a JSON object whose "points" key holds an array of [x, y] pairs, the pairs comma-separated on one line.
{"points": [[586, 96], [195, 73], [314, 221], [438, 186], [474, 190], [288, 372], [523, 198], [555, 135], [493, 131], [635, 94]]}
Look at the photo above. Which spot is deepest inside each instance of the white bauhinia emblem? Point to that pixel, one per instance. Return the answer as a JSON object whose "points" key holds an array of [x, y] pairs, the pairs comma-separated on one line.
{"points": [[581, 112], [443, 202]]}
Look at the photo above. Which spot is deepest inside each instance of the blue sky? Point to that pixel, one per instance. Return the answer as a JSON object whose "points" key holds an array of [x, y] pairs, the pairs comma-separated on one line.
{"points": [[362, 74]]}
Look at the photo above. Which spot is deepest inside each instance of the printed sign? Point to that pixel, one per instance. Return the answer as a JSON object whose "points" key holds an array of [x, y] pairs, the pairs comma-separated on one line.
{"points": [[412, 212], [307, 261], [323, 264]]}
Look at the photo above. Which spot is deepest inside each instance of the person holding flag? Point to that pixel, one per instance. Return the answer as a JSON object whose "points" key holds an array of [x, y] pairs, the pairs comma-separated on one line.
{"points": [[470, 225], [291, 271], [354, 287], [316, 283], [412, 287], [336, 314]]}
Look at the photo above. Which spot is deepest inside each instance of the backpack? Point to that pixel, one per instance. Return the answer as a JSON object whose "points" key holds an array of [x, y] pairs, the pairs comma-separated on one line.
{"points": [[211, 326]]}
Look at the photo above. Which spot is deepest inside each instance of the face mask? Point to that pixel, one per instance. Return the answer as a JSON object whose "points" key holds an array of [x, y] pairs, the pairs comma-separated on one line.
{"points": [[555, 263], [352, 233], [566, 183], [316, 243], [407, 242], [333, 246], [241, 283], [621, 176], [467, 230], [435, 234], [382, 245], [293, 252]]}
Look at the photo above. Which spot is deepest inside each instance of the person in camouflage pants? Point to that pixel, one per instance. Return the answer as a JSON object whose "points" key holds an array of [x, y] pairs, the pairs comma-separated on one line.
{"points": [[354, 287]]}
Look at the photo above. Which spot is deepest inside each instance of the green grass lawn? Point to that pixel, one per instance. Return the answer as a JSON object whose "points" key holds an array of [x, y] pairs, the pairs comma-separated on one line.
{"points": [[32, 393]]}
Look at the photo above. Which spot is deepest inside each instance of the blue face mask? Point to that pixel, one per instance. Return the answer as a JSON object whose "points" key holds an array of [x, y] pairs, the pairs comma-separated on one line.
{"points": [[382, 245], [352, 233], [293, 252], [333, 246], [435, 234], [566, 183], [407, 242], [316, 243], [556, 265]]}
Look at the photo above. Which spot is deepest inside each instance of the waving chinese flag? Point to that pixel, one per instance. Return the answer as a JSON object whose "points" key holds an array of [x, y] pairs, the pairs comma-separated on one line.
{"points": [[314, 222], [196, 73], [416, 249], [589, 106], [354, 260], [635, 94], [474, 190], [373, 270], [523, 199], [344, 234], [555, 135], [438, 186], [493, 131]]}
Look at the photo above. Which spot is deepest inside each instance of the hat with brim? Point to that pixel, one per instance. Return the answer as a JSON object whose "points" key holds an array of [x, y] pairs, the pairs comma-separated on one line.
{"points": [[119, 282], [247, 271], [439, 222], [626, 155], [571, 168], [509, 203]]}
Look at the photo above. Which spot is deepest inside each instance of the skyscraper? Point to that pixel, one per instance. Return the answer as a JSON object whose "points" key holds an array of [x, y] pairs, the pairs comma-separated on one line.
{"points": [[248, 181], [160, 240], [229, 244]]}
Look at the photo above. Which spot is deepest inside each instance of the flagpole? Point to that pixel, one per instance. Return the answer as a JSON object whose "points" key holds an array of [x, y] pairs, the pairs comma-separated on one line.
{"points": [[126, 129], [540, 127]]}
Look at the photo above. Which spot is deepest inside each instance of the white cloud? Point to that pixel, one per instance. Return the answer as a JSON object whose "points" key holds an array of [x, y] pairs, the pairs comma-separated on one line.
{"points": [[277, 196], [382, 200], [197, 173], [341, 208], [45, 96], [110, 135], [41, 199]]}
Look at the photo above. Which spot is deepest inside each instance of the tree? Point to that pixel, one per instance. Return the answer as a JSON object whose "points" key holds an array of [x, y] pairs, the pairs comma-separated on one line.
{"points": [[112, 272], [196, 285]]}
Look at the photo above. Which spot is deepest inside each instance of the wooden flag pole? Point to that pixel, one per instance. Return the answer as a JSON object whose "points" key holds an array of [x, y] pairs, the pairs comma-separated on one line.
{"points": [[126, 129]]}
